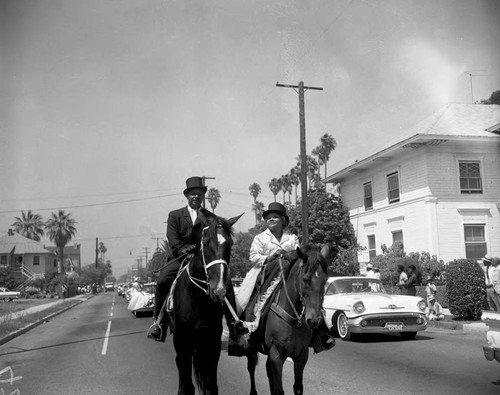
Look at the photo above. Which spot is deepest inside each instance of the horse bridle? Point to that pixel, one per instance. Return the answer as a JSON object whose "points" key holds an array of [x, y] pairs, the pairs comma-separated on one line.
{"points": [[297, 320], [206, 266]]}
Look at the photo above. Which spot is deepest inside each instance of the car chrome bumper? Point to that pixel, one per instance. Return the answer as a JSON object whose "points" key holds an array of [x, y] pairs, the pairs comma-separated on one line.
{"points": [[376, 323]]}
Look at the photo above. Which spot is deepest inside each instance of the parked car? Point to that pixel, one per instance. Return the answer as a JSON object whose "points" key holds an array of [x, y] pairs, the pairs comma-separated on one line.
{"points": [[361, 305], [109, 287], [142, 299], [7, 295]]}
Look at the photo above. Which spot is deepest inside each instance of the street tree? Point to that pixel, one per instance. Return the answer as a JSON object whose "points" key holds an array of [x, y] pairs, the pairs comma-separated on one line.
{"points": [[213, 197], [60, 230], [294, 176], [29, 225], [255, 190], [494, 98], [323, 151], [328, 224], [258, 208], [286, 187], [102, 249], [275, 187], [312, 168]]}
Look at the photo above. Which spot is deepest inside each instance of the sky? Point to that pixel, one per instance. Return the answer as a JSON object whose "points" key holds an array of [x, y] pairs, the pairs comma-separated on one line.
{"points": [[108, 106]]}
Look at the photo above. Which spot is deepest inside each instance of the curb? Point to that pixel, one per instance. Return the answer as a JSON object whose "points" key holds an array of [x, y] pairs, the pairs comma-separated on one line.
{"points": [[28, 327]]}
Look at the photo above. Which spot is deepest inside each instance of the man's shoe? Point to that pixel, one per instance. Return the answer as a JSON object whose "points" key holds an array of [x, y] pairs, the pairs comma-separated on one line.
{"points": [[322, 341]]}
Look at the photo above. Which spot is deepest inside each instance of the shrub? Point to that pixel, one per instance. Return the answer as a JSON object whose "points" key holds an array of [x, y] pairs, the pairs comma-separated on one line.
{"points": [[465, 289]]}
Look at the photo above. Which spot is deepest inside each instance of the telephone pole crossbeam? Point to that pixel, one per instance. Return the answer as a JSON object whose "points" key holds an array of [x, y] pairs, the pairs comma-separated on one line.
{"points": [[303, 156]]}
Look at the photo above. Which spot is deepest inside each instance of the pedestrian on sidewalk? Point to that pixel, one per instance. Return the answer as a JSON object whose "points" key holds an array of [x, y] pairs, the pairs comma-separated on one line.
{"points": [[411, 283], [495, 279], [403, 278], [490, 292]]}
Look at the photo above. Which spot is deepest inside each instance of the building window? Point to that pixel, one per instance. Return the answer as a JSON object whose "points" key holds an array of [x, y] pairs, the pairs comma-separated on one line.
{"points": [[393, 187], [470, 177], [475, 241], [36, 260], [3, 260], [368, 195], [397, 236], [55, 263], [372, 249]]}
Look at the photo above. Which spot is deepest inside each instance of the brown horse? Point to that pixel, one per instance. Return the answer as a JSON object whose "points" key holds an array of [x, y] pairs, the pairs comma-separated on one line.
{"points": [[196, 316], [287, 329]]}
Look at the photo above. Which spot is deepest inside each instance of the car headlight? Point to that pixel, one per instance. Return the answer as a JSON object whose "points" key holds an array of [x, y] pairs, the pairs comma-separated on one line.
{"points": [[422, 305], [358, 307]]}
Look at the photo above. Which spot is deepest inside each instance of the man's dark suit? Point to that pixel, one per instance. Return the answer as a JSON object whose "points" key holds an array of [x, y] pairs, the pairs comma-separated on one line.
{"points": [[179, 227]]}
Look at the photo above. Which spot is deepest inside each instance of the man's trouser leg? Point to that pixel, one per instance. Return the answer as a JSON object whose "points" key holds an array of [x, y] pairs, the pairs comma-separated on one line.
{"points": [[163, 285], [491, 298]]}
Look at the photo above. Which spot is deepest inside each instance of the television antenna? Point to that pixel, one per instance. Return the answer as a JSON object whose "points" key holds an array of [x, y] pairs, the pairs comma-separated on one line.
{"points": [[472, 73]]}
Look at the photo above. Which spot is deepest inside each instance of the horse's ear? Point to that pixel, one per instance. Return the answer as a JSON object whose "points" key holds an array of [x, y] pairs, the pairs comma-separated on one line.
{"points": [[302, 255], [329, 251], [232, 221]]}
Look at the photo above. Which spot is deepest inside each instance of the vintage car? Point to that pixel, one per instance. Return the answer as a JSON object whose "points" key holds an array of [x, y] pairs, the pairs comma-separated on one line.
{"points": [[7, 295], [361, 305], [142, 299]]}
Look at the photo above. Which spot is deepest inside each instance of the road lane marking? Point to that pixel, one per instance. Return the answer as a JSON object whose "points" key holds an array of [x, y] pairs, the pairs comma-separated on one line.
{"points": [[106, 338]]}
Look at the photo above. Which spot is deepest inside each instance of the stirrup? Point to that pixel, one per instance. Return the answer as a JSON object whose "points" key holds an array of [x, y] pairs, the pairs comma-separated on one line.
{"points": [[150, 336]]}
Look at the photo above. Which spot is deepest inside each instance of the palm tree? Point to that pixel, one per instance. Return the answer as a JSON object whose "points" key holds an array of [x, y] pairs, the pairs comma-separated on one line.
{"points": [[102, 250], [286, 187], [294, 176], [213, 197], [255, 190], [258, 207], [29, 225], [323, 151], [60, 230], [275, 186], [312, 168]]}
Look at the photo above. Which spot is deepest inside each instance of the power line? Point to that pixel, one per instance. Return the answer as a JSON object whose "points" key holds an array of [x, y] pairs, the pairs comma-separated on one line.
{"points": [[90, 205]]}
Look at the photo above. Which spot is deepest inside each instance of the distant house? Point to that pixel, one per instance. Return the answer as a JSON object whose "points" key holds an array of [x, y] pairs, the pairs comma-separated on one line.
{"points": [[436, 187], [25, 255], [71, 256]]}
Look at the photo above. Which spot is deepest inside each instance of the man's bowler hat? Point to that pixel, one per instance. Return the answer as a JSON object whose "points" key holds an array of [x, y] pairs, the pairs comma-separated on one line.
{"points": [[276, 208], [194, 183]]}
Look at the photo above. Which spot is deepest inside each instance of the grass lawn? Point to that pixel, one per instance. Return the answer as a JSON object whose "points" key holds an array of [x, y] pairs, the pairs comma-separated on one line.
{"points": [[21, 304], [8, 326]]}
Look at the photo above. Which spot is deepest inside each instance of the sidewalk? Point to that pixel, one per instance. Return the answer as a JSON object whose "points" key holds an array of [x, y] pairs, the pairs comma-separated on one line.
{"points": [[489, 321]]}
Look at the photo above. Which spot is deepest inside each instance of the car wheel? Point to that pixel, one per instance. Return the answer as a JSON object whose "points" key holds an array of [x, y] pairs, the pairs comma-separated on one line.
{"points": [[340, 326], [408, 335]]}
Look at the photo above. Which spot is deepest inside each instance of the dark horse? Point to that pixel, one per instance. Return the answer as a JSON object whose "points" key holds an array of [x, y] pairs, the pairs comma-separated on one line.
{"points": [[286, 329], [196, 316]]}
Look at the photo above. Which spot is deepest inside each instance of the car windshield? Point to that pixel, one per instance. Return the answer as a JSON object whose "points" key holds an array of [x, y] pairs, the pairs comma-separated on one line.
{"points": [[150, 288], [355, 285]]}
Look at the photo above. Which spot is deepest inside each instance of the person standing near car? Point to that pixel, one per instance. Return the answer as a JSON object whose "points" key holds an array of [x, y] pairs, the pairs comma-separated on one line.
{"points": [[403, 278], [495, 279], [488, 277], [411, 283]]}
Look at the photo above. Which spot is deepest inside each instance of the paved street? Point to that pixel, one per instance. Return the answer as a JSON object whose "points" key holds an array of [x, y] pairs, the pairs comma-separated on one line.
{"points": [[99, 347]]}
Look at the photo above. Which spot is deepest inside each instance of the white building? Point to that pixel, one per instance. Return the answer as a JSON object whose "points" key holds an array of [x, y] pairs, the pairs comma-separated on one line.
{"points": [[436, 188]]}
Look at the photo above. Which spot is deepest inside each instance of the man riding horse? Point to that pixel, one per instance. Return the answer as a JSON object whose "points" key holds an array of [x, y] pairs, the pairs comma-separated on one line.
{"points": [[179, 226]]}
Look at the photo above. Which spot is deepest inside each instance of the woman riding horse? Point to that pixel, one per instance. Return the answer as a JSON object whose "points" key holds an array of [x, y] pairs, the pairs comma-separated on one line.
{"points": [[288, 324]]}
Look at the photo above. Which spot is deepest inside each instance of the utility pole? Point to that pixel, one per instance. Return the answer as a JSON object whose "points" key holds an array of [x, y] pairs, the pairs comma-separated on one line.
{"points": [[203, 178], [303, 156], [146, 248], [157, 242], [470, 74], [96, 250]]}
